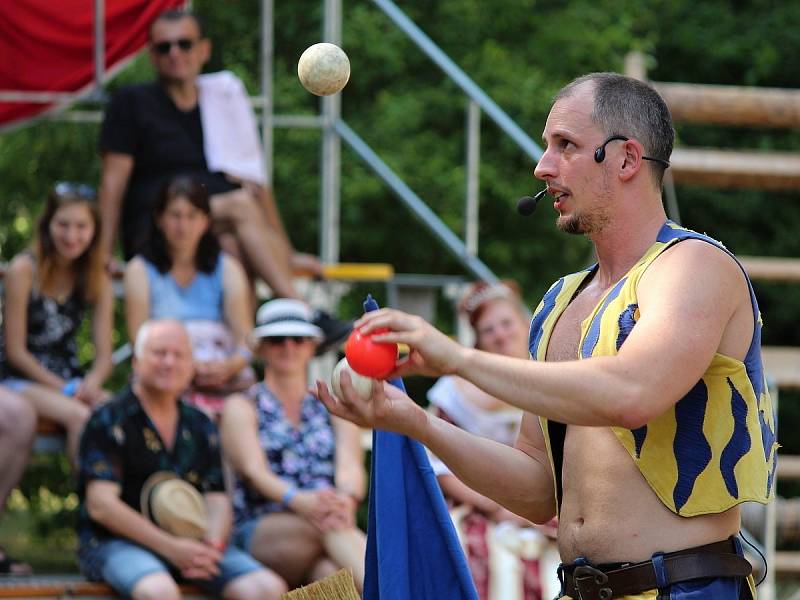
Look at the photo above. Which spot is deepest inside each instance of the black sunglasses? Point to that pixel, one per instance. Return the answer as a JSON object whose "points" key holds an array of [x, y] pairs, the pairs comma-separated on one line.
{"points": [[277, 340], [69, 188], [185, 44]]}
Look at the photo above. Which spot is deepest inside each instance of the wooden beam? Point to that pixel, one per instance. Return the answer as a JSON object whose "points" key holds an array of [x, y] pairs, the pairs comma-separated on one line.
{"points": [[731, 105], [788, 467], [772, 268], [787, 562], [782, 363], [736, 169]]}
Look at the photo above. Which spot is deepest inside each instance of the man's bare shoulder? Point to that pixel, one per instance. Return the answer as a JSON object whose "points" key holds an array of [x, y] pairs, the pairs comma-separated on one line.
{"points": [[702, 290], [697, 264]]}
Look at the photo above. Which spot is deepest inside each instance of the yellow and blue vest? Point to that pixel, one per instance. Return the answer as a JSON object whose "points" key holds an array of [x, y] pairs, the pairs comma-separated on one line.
{"points": [[716, 447]]}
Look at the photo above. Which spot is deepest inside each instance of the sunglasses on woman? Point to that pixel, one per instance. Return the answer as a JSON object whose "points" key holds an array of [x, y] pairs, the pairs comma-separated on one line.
{"points": [[163, 48], [69, 188], [277, 340]]}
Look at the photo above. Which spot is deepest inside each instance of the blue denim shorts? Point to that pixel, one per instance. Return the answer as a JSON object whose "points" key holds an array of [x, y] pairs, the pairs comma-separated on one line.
{"points": [[121, 564], [242, 536]]}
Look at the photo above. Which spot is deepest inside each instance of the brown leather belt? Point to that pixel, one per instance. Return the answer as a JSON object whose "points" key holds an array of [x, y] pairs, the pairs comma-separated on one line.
{"points": [[589, 582]]}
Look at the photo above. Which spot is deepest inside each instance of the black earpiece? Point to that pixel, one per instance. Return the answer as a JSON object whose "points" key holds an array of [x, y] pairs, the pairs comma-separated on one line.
{"points": [[600, 152]]}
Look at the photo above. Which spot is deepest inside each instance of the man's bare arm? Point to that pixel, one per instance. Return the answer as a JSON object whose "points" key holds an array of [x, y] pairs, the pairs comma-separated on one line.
{"points": [[117, 169], [524, 483], [690, 301]]}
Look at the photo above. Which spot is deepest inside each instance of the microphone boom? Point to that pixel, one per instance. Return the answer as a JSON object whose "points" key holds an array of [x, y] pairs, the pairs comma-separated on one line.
{"points": [[527, 204]]}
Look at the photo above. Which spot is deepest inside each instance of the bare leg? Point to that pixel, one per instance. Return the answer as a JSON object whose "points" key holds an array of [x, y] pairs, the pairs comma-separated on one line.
{"points": [[258, 585], [266, 251], [69, 413], [17, 430], [347, 548], [324, 568], [156, 586], [287, 544]]}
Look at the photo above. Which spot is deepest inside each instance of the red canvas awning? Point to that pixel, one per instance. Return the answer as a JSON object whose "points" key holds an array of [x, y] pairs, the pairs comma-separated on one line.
{"points": [[48, 46]]}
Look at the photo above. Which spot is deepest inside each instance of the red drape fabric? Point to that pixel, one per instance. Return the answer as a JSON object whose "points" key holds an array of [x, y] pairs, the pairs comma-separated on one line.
{"points": [[48, 46]]}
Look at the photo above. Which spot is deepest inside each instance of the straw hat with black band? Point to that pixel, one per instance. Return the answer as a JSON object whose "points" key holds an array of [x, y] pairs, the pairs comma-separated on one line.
{"points": [[175, 505]]}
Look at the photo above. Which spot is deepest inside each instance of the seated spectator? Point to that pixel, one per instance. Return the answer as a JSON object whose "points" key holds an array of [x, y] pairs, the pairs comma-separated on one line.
{"points": [[182, 274], [155, 131], [47, 294], [496, 315], [300, 471], [146, 430], [17, 430]]}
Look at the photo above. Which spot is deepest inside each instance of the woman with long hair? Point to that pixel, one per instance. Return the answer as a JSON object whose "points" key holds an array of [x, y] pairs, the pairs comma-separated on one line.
{"points": [[300, 471], [502, 549], [182, 274], [48, 292]]}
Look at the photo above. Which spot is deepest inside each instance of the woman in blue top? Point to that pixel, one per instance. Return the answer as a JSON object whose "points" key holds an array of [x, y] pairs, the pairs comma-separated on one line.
{"points": [[183, 274]]}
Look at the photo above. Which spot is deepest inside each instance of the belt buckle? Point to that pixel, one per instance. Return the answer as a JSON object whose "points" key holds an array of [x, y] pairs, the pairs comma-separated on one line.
{"points": [[588, 581]]}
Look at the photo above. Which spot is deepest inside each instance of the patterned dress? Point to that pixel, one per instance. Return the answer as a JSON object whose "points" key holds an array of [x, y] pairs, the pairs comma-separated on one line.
{"points": [[302, 455], [52, 327]]}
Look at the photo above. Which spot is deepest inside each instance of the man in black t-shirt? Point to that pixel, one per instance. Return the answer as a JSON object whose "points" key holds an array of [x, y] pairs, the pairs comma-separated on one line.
{"points": [[152, 132]]}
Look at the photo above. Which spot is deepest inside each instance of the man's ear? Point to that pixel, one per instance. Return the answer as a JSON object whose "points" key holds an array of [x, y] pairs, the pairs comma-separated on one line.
{"points": [[204, 48], [632, 160]]}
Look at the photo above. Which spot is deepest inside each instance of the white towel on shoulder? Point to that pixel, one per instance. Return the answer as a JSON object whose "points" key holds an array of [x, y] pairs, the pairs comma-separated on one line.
{"points": [[230, 134]]}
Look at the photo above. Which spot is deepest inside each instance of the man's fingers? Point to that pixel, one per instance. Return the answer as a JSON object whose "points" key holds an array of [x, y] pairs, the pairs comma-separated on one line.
{"points": [[389, 318], [335, 406], [329, 400]]}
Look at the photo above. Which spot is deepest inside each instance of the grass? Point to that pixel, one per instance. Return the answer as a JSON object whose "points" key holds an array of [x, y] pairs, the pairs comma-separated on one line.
{"points": [[38, 525], [48, 549]]}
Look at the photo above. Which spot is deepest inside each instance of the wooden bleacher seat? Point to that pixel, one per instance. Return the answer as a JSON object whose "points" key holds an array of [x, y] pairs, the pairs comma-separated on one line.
{"points": [[70, 586], [772, 268], [782, 363], [736, 168]]}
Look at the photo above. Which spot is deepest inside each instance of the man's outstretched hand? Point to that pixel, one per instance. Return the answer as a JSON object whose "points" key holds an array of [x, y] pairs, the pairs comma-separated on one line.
{"points": [[431, 352], [387, 407]]}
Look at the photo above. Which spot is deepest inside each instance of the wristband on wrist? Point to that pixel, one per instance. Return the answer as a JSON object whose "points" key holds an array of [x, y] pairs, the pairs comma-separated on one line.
{"points": [[290, 493], [71, 387]]}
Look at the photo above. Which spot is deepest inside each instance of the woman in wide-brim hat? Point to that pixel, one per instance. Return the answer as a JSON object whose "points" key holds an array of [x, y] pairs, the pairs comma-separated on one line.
{"points": [[300, 473]]}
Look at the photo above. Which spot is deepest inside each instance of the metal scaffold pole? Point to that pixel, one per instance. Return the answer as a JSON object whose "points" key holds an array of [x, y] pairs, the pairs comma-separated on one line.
{"points": [[331, 148]]}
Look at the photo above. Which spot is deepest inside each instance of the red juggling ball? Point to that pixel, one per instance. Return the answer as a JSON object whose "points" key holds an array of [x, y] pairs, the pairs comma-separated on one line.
{"points": [[369, 358]]}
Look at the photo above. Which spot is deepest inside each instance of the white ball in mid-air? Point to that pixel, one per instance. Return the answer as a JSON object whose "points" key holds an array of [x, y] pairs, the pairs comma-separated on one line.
{"points": [[323, 69], [362, 385]]}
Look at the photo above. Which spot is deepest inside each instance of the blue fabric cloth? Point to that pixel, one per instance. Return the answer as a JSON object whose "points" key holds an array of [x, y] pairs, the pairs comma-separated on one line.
{"points": [[412, 547], [201, 299]]}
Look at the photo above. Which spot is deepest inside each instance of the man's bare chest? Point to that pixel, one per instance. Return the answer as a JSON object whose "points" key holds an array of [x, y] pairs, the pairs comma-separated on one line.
{"points": [[566, 336]]}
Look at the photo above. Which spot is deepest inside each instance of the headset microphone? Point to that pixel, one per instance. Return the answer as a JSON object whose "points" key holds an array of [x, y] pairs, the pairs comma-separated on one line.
{"points": [[527, 204]]}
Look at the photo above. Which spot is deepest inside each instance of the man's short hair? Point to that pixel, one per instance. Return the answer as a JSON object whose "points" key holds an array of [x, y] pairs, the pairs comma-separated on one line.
{"points": [[629, 107], [173, 15], [146, 329], [141, 338]]}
